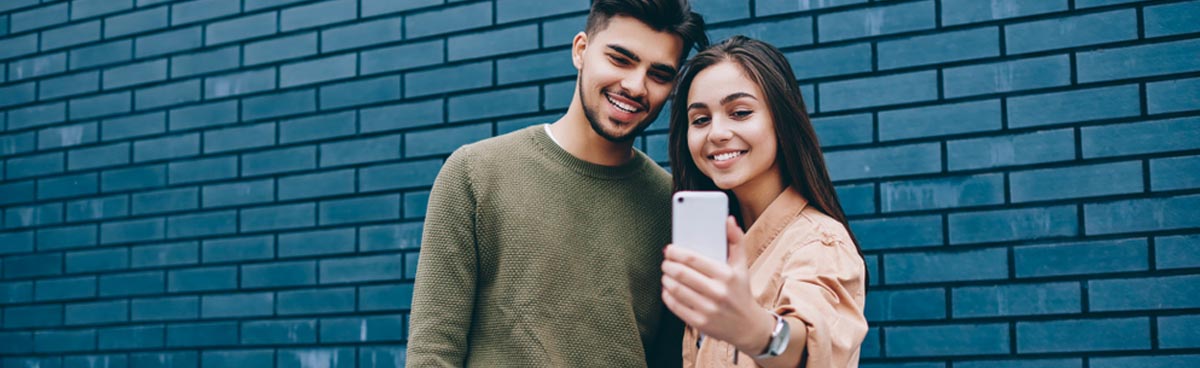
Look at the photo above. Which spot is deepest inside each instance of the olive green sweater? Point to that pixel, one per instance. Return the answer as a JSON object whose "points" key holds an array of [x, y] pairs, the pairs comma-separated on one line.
{"points": [[532, 257]]}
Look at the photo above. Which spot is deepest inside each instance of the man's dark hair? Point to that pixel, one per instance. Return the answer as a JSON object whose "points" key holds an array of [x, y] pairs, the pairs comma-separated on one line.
{"points": [[673, 16]]}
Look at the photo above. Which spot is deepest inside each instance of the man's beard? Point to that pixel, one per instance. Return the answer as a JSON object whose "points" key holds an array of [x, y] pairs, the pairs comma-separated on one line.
{"points": [[595, 122]]}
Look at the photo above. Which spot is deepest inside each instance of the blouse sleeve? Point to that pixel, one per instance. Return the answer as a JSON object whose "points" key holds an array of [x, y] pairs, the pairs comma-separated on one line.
{"points": [[823, 292]]}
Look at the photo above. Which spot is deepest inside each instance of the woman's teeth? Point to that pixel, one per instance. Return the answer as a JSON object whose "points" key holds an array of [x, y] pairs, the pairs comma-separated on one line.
{"points": [[727, 156]]}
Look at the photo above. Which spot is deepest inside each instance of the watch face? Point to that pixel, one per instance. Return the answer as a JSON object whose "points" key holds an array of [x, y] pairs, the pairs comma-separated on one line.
{"points": [[780, 341]]}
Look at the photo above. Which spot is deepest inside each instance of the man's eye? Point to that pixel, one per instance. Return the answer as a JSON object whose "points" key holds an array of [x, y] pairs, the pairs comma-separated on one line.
{"points": [[619, 60]]}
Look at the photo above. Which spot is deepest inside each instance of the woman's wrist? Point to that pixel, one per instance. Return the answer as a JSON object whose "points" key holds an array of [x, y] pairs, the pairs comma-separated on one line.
{"points": [[757, 335]]}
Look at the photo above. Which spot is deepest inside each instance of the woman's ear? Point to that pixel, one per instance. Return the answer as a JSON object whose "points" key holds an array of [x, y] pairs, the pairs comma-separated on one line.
{"points": [[578, 46]]}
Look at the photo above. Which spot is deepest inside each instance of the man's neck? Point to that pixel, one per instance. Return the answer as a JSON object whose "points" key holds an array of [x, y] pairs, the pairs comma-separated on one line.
{"points": [[574, 133]]}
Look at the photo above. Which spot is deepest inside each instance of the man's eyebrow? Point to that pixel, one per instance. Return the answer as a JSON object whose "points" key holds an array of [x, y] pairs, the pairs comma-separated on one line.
{"points": [[669, 70]]}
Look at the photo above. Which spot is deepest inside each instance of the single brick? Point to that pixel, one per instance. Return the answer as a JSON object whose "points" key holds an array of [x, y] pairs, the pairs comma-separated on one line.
{"points": [[856, 199], [40, 17], [132, 230], [361, 209], [71, 35], [239, 83], [876, 21], [67, 186], [543, 65], [324, 357], [36, 165], [41, 215], [169, 254], [771, 7], [280, 160], [239, 193], [238, 249], [202, 224], [1134, 215], [136, 22], [134, 74], [939, 48], [316, 301], [1029, 148], [865, 92], [237, 29], [938, 120], [882, 162], [317, 127], [406, 56], [133, 126], [785, 32], [106, 259], [237, 305], [317, 14], [960, 339], [950, 192], [377, 7], [136, 283], [1081, 335], [830, 61], [1145, 361], [382, 356], [170, 200], [448, 19], [363, 34], [360, 92], [161, 309], [98, 156], [81, 9], [33, 316], [37, 115], [1170, 19], [95, 106], [279, 274], [385, 297], [278, 217], [971, 11], [1007, 76], [318, 70], [1093, 257], [69, 85], [51, 341], [316, 242], [319, 184], [388, 237], [1073, 106], [493, 103], [18, 46], [363, 329], [1138, 61], [208, 61], [1179, 332], [132, 337], [1016, 300], [66, 237], [360, 151], [1076, 181], [407, 115], [204, 115], [398, 176], [443, 140], [1151, 293], [898, 232], [282, 48], [279, 104], [1073, 31], [943, 266], [203, 170], [168, 42], [1175, 173], [359, 269], [65, 288], [560, 32], [1013, 224], [239, 138], [448, 79], [134, 178], [202, 279], [1173, 96], [906, 305], [37, 66], [1172, 252], [97, 312], [102, 54], [202, 334], [279, 332], [494, 42]]}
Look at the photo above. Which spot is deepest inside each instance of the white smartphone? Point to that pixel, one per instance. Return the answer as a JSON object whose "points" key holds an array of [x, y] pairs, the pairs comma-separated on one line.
{"points": [[698, 222]]}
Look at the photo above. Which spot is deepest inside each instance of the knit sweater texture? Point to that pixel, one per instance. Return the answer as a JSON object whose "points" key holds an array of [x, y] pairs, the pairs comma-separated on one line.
{"points": [[532, 257]]}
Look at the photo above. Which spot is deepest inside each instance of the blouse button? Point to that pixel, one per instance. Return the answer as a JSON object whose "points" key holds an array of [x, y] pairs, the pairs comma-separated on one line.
{"points": [[827, 237]]}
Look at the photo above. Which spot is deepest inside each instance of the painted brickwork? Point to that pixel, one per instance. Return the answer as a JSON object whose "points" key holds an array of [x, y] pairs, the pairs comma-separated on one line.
{"points": [[241, 183]]}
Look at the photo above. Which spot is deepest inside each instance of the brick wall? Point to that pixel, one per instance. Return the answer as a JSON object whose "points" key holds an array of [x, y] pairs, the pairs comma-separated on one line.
{"points": [[241, 183]]}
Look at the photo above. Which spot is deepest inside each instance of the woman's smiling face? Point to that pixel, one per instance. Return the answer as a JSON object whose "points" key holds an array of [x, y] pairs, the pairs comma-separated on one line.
{"points": [[731, 134]]}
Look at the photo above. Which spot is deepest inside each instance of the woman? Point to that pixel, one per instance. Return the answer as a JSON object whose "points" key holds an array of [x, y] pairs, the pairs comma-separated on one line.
{"points": [[793, 290]]}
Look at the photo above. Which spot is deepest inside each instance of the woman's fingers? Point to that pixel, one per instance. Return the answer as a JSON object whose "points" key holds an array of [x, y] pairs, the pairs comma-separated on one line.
{"points": [[689, 316], [694, 280], [688, 296], [733, 237], [708, 267]]}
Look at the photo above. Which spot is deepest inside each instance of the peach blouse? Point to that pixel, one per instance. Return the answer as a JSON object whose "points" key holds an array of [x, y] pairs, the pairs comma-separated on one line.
{"points": [[804, 267]]}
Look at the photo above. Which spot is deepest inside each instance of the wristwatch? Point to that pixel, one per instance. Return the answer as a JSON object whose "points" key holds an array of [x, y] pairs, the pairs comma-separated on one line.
{"points": [[779, 339]]}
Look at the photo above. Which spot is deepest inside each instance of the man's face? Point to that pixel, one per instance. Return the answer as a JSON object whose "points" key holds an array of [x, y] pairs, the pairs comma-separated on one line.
{"points": [[626, 72]]}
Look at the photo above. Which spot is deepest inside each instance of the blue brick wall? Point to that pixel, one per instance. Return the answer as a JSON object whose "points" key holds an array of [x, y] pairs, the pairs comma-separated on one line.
{"points": [[237, 183]]}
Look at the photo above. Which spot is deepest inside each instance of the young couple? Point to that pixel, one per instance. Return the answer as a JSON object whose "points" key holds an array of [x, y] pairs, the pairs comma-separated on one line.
{"points": [[545, 246]]}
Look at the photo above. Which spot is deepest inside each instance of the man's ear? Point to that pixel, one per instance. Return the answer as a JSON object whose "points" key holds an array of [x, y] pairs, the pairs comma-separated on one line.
{"points": [[578, 46]]}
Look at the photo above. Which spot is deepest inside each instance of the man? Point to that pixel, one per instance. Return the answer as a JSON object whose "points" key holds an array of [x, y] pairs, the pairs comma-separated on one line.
{"points": [[543, 247]]}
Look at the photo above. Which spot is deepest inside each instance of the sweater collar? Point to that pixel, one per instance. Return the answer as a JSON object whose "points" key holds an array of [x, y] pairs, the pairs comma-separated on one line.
{"points": [[543, 142]]}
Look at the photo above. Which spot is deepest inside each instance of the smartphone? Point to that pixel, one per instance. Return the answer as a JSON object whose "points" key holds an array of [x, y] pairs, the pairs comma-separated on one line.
{"points": [[698, 222]]}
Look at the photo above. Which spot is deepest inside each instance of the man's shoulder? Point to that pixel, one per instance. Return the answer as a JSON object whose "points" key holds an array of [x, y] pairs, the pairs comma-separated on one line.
{"points": [[494, 148]]}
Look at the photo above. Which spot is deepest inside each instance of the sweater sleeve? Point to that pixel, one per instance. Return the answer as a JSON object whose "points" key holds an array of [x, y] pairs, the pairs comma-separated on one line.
{"points": [[444, 291], [823, 293]]}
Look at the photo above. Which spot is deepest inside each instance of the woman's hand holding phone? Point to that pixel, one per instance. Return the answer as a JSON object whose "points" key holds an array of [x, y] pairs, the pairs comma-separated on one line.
{"points": [[715, 297]]}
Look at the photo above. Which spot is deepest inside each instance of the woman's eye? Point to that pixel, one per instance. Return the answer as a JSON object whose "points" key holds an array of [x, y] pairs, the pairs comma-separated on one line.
{"points": [[742, 114], [700, 120]]}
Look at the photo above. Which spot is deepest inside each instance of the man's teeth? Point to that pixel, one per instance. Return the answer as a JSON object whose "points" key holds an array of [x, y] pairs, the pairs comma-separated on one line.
{"points": [[727, 156], [619, 105]]}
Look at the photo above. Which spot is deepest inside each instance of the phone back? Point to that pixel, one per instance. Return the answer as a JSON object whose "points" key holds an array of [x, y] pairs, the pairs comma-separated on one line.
{"points": [[698, 222]]}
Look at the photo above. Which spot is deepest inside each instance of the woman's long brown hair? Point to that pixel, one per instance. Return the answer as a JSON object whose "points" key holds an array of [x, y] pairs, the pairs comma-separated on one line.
{"points": [[799, 158]]}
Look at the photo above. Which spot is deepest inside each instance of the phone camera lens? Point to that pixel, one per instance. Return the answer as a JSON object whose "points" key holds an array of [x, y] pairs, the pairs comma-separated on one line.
{"points": [[680, 200]]}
